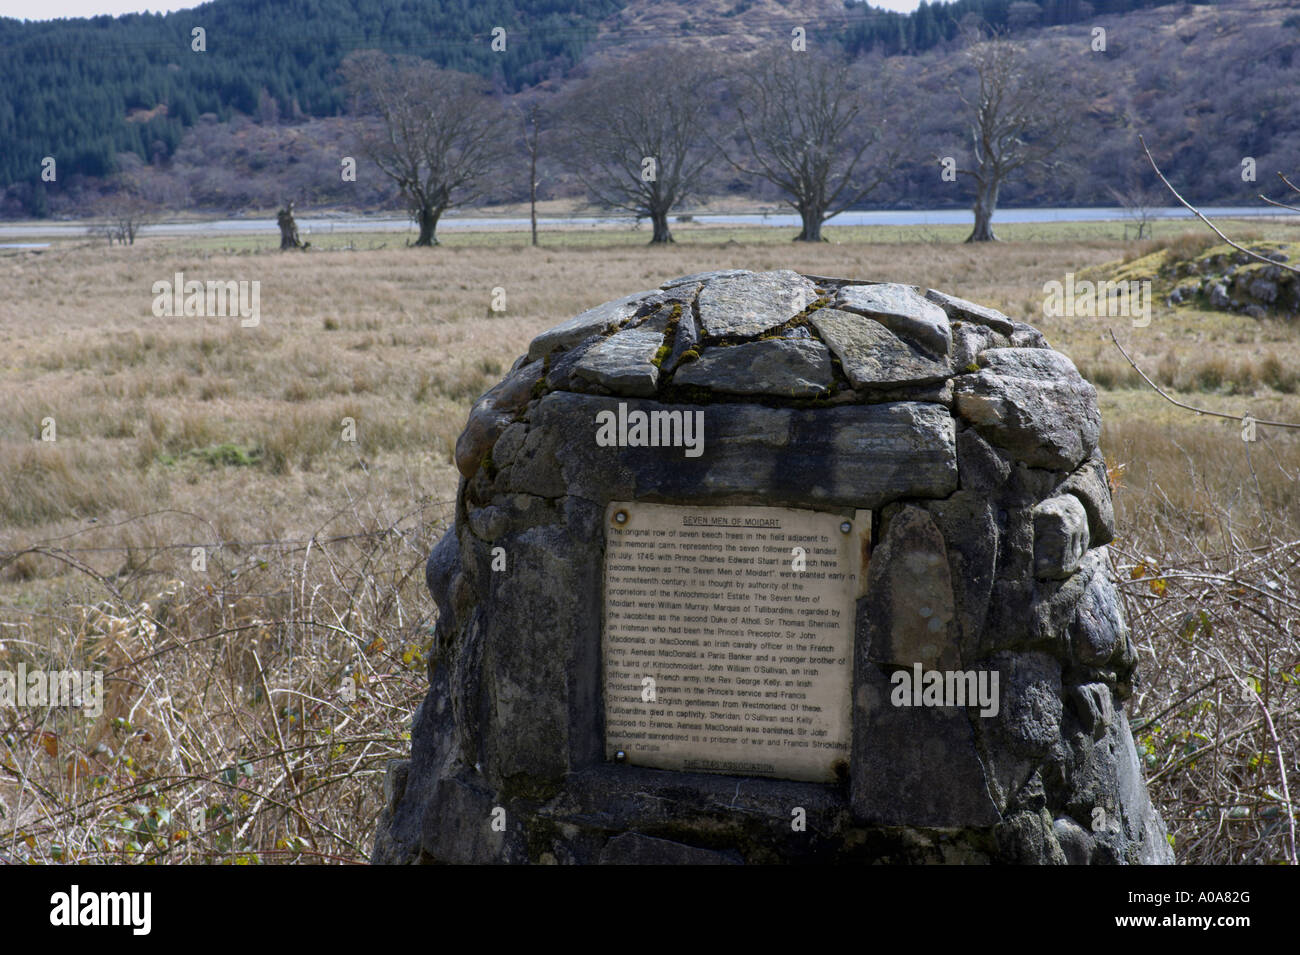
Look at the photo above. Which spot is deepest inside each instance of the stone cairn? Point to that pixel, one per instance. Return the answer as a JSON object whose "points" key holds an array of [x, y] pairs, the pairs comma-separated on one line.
{"points": [[975, 445]]}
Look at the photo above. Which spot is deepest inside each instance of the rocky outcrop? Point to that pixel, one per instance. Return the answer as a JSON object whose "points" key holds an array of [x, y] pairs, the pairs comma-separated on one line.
{"points": [[1228, 279]]}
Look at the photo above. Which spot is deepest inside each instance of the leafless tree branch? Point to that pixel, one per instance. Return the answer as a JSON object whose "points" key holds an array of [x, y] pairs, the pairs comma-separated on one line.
{"points": [[1200, 215]]}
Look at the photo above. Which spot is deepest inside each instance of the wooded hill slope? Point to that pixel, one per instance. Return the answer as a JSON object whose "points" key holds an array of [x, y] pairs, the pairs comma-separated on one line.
{"points": [[260, 114]]}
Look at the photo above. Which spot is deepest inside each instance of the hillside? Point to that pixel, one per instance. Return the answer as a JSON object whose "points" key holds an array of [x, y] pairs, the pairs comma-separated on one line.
{"points": [[86, 90], [257, 115]]}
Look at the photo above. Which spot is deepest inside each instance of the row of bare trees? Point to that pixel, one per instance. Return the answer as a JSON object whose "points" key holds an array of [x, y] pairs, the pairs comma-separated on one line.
{"points": [[640, 133]]}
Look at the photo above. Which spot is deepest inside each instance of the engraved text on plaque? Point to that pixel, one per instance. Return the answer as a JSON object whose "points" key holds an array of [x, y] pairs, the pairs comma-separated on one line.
{"points": [[728, 637]]}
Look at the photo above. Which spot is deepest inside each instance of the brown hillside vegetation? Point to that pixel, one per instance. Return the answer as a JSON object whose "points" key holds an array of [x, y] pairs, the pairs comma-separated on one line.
{"points": [[1207, 84]]}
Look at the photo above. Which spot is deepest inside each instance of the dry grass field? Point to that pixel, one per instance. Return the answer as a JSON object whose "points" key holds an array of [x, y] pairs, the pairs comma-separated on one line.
{"points": [[251, 705]]}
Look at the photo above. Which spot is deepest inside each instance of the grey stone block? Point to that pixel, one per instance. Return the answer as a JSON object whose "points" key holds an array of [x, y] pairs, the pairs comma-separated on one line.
{"points": [[1033, 403], [904, 310], [698, 277], [970, 341], [508, 445], [458, 826], [873, 356], [959, 309], [1060, 537], [686, 339], [914, 766], [1093, 704], [909, 592], [970, 534], [980, 467], [443, 564], [787, 367], [753, 303], [1090, 484], [624, 363], [852, 455], [526, 685], [594, 321], [1031, 705], [1073, 839], [1028, 838], [492, 414], [1026, 336], [1098, 632]]}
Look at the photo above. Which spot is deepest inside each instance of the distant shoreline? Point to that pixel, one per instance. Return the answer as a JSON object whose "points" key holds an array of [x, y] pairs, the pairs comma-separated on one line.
{"points": [[327, 223]]}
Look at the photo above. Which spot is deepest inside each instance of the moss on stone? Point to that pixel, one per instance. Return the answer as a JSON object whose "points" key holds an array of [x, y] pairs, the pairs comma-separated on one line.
{"points": [[540, 836], [539, 386], [529, 787], [690, 394]]}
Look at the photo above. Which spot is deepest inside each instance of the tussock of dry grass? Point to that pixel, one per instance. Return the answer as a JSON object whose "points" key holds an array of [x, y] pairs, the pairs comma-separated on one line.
{"points": [[44, 482], [1182, 245]]}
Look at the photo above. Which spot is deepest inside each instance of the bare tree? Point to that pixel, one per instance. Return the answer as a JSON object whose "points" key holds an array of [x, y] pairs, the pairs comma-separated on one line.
{"points": [[133, 204], [1139, 201], [1018, 115], [1138, 197], [128, 222], [635, 134], [811, 127], [103, 230], [434, 133], [124, 217]]}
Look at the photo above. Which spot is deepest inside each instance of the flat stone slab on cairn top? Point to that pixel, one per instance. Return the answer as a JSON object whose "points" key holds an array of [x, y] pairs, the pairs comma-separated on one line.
{"points": [[958, 444], [753, 303]]}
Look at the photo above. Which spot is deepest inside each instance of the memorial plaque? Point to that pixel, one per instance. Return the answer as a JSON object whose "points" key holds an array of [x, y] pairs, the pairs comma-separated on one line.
{"points": [[728, 637]]}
